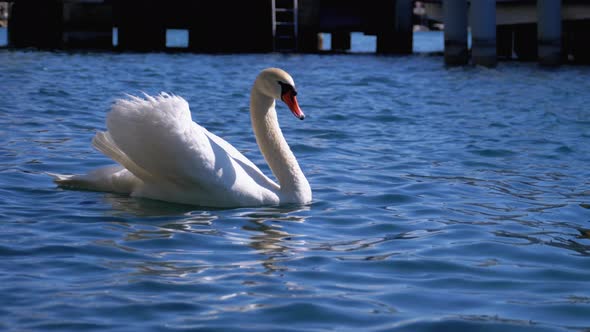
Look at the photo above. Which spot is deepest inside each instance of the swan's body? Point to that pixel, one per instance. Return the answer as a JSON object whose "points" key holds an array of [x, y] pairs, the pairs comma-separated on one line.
{"points": [[164, 155]]}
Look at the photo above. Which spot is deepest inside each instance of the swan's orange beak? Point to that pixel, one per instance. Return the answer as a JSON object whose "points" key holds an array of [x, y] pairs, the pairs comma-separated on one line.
{"points": [[291, 101]]}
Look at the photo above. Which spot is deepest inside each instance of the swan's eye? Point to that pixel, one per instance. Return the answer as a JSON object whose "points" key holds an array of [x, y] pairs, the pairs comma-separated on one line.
{"points": [[287, 88]]}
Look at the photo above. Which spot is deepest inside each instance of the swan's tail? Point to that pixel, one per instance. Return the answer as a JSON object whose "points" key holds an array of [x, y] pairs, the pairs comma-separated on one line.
{"points": [[76, 181], [110, 178], [62, 179], [120, 178]]}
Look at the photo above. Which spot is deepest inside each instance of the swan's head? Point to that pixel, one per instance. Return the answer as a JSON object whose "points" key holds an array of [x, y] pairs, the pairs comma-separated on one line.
{"points": [[278, 84]]}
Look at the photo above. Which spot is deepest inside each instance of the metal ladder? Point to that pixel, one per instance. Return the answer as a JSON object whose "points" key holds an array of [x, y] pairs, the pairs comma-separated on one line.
{"points": [[284, 25]]}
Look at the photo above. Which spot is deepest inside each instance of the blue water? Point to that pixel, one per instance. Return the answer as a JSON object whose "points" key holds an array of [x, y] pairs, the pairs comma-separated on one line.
{"points": [[444, 200]]}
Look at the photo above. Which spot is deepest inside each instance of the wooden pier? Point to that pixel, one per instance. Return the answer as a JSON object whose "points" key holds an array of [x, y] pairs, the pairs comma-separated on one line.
{"points": [[235, 26], [550, 31]]}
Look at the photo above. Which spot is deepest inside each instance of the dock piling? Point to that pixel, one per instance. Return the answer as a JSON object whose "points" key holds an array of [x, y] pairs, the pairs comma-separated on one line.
{"points": [[395, 27], [341, 41], [483, 32], [36, 24], [549, 32], [404, 26], [87, 25], [142, 28], [455, 32]]}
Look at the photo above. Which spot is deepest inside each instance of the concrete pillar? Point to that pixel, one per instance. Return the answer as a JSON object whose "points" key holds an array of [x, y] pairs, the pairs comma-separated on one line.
{"points": [[525, 41], [204, 29], [140, 25], [36, 24], [88, 25], [483, 32], [395, 32], [404, 26], [308, 40], [340, 41], [578, 40], [549, 31], [230, 26], [455, 32], [308, 37], [504, 41]]}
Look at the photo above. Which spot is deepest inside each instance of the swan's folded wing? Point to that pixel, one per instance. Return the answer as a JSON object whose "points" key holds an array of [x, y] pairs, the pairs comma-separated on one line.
{"points": [[158, 135], [244, 163]]}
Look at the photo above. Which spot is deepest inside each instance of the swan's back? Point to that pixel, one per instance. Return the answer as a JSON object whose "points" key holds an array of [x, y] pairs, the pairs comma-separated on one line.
{"points": [[155, 133]]}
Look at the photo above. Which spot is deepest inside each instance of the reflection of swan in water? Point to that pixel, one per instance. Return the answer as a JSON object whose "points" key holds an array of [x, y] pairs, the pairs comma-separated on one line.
{"points": [[269, 239], [123, 204], [187, 219], [142, 207], [262, 230]]}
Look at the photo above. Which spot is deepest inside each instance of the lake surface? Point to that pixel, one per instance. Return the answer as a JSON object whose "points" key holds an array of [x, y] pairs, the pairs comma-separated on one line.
{"points": [[444, 199]]}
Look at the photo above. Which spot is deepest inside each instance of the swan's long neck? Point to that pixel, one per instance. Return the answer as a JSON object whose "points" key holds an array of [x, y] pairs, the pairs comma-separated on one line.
{"points": [[276, 151]]}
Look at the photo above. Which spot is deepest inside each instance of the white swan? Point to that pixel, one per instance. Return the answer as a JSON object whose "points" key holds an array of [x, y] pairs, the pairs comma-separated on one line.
{"points": [[164, 155]]}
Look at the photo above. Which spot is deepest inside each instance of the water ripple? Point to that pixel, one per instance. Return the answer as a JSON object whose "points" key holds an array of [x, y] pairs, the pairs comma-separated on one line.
{"points": [[444, 199]]}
